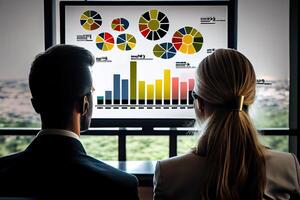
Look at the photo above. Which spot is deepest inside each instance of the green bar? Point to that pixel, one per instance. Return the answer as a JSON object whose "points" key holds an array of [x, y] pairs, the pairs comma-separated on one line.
{"points": [[133, 81]]}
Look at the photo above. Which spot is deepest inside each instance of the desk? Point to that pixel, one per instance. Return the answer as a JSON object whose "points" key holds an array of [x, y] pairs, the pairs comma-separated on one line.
{"points": [[143, 170]]}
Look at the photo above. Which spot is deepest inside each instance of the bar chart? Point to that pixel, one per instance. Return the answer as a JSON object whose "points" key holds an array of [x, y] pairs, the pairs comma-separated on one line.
{"points": [[166, 92]]}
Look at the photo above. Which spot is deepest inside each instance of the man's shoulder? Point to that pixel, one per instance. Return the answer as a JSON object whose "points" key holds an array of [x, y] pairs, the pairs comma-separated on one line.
{"points": [[99, 176], [96, 177], [9, 160], [98, 169]]}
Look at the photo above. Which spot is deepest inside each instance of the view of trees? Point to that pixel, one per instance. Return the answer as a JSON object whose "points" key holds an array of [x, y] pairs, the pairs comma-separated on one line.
{"points": [[138, 147]]}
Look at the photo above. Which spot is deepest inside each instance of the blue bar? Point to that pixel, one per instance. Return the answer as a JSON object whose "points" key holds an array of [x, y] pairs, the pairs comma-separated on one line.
{"points": [[117, 84], [124, 91], [108, 98], [100, 100]]}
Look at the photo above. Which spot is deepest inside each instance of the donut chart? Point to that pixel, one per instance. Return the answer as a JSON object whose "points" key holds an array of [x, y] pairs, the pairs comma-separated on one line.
{"points": [[165, 50], [187, 40], [153, 25], [120, 24], [105, 41], [126, 42], [90, 20]]}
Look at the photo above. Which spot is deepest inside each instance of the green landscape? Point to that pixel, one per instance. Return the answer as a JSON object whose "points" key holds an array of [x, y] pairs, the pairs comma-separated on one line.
{"points": [[138, 147]]}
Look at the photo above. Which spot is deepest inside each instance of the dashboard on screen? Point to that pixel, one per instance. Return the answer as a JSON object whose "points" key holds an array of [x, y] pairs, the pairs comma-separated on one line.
{"points": [[146, 54]]}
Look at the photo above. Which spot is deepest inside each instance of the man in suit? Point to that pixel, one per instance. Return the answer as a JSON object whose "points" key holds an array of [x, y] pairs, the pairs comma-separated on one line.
{"points": [[55, 164]]}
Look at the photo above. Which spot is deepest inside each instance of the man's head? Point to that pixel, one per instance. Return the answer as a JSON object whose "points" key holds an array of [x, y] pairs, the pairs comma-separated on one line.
{"points": [[60, 82]]}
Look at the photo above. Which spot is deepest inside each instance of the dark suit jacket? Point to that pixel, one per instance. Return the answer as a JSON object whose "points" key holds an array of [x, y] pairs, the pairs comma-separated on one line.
{"points": [[57, 167]]}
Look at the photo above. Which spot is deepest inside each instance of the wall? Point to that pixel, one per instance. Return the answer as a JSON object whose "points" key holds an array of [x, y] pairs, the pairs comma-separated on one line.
{"points": [[21, 36], [263, 33]]}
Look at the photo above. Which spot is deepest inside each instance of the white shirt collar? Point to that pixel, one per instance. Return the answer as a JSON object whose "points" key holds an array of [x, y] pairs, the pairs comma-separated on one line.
{"points": [[58, 132]]}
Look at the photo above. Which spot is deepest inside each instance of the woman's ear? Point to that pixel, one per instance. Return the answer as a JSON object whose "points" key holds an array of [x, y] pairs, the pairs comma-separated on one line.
{"points": [[199, 109], [200, 104]]}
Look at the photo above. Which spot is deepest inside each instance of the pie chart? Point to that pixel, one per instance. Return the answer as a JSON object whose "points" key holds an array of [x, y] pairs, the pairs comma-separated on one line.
{"points": [[119, 24], [187, 40], [153, 25], [126, 42], [165, 50], [90, 20], [105, 41]]}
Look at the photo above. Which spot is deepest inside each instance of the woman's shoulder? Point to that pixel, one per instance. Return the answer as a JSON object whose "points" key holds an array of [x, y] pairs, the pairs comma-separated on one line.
{"points": [[181, 172], [281, 163], [273, 156], [282, 170], [186, 162], [188, 157]]}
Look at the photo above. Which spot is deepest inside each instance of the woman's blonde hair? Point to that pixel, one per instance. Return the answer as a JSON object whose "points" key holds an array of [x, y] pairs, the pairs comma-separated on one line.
{"points": [[230, 140]]}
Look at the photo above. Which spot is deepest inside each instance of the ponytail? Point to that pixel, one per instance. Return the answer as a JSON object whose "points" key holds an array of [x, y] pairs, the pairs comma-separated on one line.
{"points": [[229, 141], [236, 157]]}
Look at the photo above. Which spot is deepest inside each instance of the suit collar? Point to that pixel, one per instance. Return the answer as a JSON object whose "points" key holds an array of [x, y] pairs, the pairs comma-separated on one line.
{"points": [[61, 132], [56, 144]]}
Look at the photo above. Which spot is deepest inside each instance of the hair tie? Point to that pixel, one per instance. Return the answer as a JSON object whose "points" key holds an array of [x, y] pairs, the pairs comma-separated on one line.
{"points": [[240, 103], [236, 103]]}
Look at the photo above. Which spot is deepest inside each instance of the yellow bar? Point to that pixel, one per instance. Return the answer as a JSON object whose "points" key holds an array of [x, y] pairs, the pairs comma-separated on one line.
{"points": [[133, 80], [150, 92], [158, 89], [167, 85], [141, 90]]}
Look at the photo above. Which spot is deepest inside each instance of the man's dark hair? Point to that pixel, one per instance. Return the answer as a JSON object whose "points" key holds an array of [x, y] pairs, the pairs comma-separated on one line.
{"points": [[58, 79]]}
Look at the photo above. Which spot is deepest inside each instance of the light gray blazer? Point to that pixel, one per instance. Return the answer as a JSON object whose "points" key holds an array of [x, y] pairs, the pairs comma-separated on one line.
{"points": [[179, 178]]}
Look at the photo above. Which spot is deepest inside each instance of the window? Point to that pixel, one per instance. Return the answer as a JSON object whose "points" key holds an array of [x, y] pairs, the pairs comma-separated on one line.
{"points": [[138, 147]]}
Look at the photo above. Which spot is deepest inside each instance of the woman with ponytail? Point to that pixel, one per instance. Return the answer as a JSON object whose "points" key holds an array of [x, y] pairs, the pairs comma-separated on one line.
{"points": [[228, 162]]}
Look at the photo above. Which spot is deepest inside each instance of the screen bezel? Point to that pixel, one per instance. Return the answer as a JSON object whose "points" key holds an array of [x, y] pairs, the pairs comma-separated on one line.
{"points": [[147, 123]]}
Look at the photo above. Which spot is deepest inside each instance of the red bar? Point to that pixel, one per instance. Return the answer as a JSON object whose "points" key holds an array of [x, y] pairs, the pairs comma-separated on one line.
{"points": [[191, 84], [175, 87], [183, 91]]}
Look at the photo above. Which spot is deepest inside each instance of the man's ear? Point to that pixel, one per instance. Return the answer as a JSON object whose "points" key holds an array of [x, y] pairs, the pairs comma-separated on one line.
{"points": [[36, 105], [84, 106]]}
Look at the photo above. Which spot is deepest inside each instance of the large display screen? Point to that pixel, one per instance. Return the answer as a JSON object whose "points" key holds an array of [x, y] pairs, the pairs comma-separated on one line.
{"points": [[146, 55]]}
